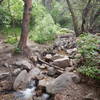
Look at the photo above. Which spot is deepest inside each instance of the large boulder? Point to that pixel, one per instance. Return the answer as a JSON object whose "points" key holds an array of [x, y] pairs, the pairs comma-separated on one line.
{"points": [[21, 80], [62, 82]]}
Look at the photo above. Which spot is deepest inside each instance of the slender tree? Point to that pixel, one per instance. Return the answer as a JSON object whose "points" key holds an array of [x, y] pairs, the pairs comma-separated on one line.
{"points": [[74, 18], [25, 24]]}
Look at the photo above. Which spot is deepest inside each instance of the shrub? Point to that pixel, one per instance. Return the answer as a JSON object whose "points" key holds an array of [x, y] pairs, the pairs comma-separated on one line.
{"points": [[88, 47], [11, 40]]}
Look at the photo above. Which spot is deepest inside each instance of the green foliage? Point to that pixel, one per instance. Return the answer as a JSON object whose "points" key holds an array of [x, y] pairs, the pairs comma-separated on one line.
{"points": [[88, 47], [11, 40], [44, 29], [11, 13], [17, 50], [92, 72], [60, 14], [64, 31]]}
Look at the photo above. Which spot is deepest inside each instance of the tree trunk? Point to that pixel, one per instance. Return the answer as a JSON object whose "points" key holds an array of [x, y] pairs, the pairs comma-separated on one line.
{"points": [[25, 24], [47, 3], [74, 18], [84, 26]]}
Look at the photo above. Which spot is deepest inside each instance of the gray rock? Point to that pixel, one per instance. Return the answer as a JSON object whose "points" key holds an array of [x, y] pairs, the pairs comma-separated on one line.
{"points": [[60, 83], [24, 63], [43, 66], [63, 62], [45, 81], [71, 51], [51, 71], [4, 75], [34, 72], [48, 57], [76, 79], [17, 71], [57, 56], [21, 80]]}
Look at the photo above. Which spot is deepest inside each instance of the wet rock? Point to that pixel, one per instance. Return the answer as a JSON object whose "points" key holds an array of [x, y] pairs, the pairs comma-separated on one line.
{"points": [[24, 63], [63, 62], [60, 83], [21, 80]]}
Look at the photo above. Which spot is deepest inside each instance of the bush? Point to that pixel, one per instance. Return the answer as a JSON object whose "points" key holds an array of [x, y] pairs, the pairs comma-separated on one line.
{"points": [[44, 29], [92, 72], [88, 48]]}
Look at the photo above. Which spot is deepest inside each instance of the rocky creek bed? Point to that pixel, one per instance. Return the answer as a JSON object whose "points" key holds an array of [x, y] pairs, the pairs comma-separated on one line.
{"points": [[55, 67]]}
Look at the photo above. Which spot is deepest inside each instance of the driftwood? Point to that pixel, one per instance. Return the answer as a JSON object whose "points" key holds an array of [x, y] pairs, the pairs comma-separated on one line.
{"points": [[61, 70]]}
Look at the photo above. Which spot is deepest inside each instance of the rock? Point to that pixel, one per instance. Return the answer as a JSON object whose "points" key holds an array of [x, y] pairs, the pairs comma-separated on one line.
{"points": [[57, 56], [21, 80], [70, 69], [64, 42], [63, 62], [16, 71], [48, 57], [34, 72], [60, 83], [24, 63], [51, 71], [43, 66], [45, 81], [59, 97], [90, 96], [76, 79], [5, 85], [4, 75], [71, 51]]}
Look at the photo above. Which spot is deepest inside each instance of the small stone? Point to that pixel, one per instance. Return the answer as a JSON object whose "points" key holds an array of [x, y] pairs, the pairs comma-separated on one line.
{"points": [[51, 71], [42, 66], [48, 56]]}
